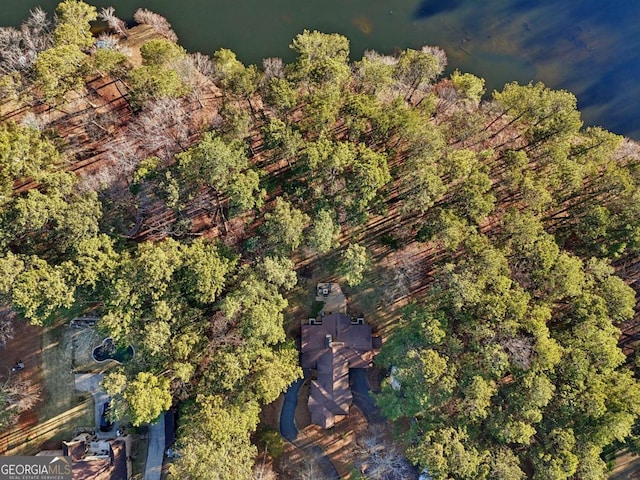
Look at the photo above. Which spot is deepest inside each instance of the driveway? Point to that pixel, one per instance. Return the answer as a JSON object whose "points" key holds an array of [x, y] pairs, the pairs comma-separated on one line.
{"points": [[90, 382], [288, 427], [362, 395], [289, 431], [155, 454]]}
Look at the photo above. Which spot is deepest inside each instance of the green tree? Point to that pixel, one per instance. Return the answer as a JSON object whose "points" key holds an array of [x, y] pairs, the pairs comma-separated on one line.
{"points": [[374, 73], [214, 440], [322, 58], [234, 76], [468, 85], [322, 107], [474, 197], [254, 372], [508, 361], [24, 153], [556, 460], [324, 232], [141, 399], [223, 166], [51, 221], [279, 271], [284, 138], [73, 25], [59, 71], [11, 266], [447, 453], [40, 290], [159, 75], [281, 94], [94, 261], [505, 465], [108, 61], [549, 116], [256, 306], [416, 69], [283, 226], [354, 263], [205, 271], [368, 174]]}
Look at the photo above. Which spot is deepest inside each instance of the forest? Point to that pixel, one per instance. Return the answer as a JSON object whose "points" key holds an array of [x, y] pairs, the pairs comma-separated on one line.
{"points": [[178, 196]]}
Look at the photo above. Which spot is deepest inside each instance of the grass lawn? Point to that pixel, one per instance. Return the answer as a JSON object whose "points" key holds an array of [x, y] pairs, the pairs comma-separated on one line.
{"points": [[59, 386], [61, 409], [139, 448]]}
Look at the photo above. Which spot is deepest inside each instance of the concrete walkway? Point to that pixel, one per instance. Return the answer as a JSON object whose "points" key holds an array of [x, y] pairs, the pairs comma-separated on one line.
{"points": [[335, 301], [155, 453]]}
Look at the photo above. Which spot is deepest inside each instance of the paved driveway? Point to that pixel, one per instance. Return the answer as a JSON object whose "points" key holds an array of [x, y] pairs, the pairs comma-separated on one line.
{"points": [[362, 395], [287, 423], [90, 382], [289, 431], [155, 454]]}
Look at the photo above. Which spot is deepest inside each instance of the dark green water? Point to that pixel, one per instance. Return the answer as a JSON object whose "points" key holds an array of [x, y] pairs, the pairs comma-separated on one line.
{"points": [[591, 47]]}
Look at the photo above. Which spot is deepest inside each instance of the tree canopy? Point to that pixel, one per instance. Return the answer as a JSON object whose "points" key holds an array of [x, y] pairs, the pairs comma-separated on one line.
{"points": [[494, 237]]}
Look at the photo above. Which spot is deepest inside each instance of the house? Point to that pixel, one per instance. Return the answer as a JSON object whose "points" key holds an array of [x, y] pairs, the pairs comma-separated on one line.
{"points": [[331, 345], [98, 459]]}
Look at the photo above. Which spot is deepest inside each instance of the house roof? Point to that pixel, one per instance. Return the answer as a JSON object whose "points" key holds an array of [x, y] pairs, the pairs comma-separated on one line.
{"points": [[332, 348], [354, 340], [88, 465], [330, 394]]}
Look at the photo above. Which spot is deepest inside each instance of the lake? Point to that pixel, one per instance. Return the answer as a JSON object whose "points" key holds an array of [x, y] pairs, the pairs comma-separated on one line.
{"points": [[590, 47]]}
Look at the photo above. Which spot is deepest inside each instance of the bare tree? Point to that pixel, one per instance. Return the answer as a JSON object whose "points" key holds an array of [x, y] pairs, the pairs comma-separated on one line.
{"points": [[381, 460], [264, 471], [158, 22], [108, 41], [19, 48], [305, 467], [122, 159], [379, 58], [400, 278], [34, 121], [163, 128], [439, 54], [273, 67], [196, 70], [628, 151], [310, 468], [16, 396], [22, 394], [98, 179], [202, 63], [108, 15], [7, 317]]}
